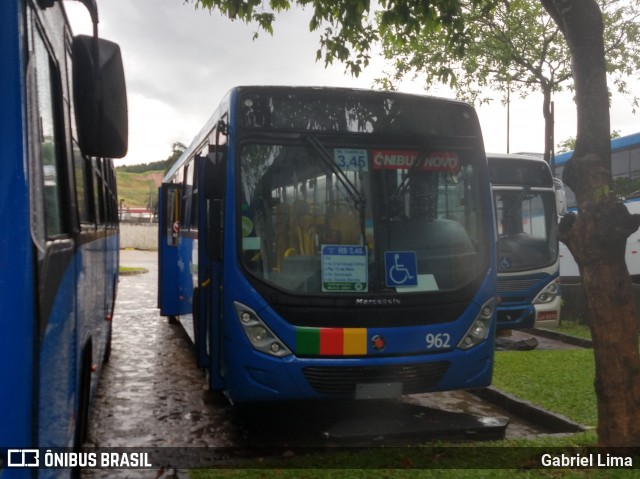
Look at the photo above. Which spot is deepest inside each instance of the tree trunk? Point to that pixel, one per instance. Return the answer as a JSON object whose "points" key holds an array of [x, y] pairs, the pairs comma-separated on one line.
{"points": [[597, 235]]}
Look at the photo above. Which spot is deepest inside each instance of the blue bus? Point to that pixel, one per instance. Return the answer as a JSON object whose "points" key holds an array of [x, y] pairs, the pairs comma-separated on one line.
{"points": [[63, 118], [625, 170], [526, 210], [329, 242]]}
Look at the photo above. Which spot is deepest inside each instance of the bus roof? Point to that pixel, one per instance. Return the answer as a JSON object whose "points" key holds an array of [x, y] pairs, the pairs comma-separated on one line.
{"points": [[516, 156], [616, 144], [517, 170], [231, 95]]}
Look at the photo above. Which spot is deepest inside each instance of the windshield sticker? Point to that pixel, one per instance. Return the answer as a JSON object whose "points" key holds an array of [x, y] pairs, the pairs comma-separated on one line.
{"points": [[505, 262], [447, 161], [348, 159], [426, 282], [401, 268], [344, 268]]}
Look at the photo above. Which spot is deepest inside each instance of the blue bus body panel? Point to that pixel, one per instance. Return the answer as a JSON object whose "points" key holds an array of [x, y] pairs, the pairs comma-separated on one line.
{"points": [[16, 281], [255, 376], [616, 144]]}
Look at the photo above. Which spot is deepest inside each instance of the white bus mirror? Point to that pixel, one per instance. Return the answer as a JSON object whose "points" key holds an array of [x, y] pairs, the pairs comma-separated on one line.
{"points": [[561, 197]]}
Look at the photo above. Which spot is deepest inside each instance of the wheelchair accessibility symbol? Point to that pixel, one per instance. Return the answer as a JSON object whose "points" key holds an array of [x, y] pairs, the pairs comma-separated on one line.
{"points": [[401, 268]]}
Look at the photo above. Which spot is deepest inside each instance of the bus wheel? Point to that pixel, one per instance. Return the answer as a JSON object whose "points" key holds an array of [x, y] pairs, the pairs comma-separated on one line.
{"points": [[172, 319]]}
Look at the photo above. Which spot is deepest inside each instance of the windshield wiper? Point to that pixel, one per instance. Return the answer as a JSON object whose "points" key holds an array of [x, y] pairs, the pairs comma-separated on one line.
{"points": [[357, 197], [514, 207]]}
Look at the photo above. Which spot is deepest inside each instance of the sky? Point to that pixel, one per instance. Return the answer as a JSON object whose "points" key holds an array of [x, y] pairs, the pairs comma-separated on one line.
{"points": [[179, 62]]}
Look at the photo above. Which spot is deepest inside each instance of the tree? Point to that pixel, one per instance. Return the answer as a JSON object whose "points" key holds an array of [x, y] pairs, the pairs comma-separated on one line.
{"points": [[519, 49], [596, 236]]}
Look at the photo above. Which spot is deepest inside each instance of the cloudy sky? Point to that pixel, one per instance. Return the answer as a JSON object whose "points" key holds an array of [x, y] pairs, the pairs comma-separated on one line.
{"points": [[180, 61]]}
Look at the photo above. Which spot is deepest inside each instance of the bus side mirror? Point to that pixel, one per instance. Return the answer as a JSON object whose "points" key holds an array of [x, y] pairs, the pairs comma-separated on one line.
{"points": [[100, 97], [561, 197]]}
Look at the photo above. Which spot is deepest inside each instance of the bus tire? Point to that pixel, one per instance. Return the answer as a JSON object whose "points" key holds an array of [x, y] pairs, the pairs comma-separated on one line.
{"points": [[172, 319]]}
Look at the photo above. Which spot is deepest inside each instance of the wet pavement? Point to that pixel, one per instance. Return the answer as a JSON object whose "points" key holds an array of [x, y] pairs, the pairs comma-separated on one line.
{"points": [[152, 395]]}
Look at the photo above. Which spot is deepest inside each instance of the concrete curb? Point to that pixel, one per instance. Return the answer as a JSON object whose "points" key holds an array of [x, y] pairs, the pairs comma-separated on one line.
{"points": [[552, 422], [564, 338]]}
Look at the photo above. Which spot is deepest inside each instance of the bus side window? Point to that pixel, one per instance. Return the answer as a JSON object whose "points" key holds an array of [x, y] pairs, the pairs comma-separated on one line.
{"points": [[172, 213], [98, 192], [50, 144]]}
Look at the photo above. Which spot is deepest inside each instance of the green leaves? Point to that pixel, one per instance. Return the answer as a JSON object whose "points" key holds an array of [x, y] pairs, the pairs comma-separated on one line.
{"points": [[466, 44]]}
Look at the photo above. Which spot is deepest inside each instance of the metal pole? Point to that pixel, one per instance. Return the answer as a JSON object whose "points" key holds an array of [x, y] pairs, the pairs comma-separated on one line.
{"points": [[508, 114]]}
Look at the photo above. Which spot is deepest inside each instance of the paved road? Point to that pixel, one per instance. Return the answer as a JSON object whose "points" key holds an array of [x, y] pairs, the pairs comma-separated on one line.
{"points": [[151, 394]]}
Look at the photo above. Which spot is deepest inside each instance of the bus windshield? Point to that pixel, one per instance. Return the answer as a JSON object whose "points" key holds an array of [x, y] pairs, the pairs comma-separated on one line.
{"points": [[323, 216], [526, 228]]}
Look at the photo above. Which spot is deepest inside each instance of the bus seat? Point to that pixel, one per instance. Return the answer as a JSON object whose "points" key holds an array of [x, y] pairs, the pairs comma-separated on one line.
{"points": [[346, 225], [304, 222]]}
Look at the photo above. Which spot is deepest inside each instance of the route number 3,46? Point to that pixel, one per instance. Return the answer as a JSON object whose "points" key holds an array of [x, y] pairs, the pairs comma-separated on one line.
{"points": [[438, 341]]}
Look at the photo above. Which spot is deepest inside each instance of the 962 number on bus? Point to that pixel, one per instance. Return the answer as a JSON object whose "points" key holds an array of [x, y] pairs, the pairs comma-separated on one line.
{"points": [[438, 341]]}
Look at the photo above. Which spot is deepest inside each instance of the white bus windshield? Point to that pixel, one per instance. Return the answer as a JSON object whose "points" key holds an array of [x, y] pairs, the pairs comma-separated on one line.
{"points": [[525, 218]]}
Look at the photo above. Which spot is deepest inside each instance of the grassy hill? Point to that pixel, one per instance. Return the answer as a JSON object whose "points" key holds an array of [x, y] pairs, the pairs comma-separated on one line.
{"points": [[136, 189]]}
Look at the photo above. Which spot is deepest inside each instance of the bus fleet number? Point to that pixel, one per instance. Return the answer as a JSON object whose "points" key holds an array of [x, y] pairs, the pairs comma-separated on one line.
{"points": [[438, 341]]}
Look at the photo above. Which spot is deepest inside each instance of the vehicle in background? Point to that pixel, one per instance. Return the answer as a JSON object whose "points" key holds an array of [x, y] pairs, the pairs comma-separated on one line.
{"points": [[625, 167], [329, 242], [526, 208]]}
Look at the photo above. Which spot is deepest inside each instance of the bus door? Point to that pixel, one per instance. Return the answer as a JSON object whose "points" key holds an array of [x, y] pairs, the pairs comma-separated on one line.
{"points": [[211, 271], [172, 300]]}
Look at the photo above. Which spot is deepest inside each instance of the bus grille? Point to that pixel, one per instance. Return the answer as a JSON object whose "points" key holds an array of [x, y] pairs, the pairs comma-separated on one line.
{"points": [[342, 381], [515, 285]]}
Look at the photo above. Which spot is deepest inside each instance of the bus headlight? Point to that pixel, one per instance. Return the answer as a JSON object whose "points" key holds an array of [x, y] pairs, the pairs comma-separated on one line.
{"points": [[259, 335], [479, 329], [547, 294]]}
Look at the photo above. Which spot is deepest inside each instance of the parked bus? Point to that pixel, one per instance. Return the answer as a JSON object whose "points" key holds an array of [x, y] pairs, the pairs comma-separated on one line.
{"points": [[58, 208], [625, 168], [526, 218], [332, 242]]}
